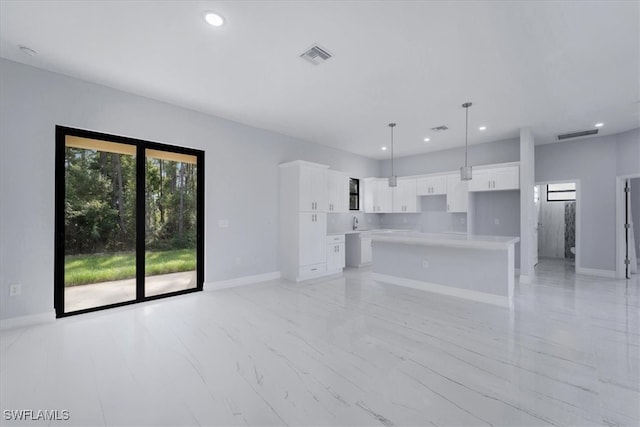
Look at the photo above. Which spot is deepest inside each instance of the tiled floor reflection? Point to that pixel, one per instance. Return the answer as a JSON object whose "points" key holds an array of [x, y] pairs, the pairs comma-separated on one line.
{"points": [[348, 351]]}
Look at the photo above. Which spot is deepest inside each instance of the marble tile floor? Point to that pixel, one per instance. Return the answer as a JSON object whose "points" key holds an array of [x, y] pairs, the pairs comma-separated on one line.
{"points": [[340, 352]]}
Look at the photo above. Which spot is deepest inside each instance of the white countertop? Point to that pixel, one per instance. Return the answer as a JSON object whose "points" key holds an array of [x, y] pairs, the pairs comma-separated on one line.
{"points": [[456, 240], [365, 230]]}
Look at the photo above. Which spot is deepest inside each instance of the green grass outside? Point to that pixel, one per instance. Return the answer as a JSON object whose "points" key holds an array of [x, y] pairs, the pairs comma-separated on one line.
{"points": [[85, 269]]}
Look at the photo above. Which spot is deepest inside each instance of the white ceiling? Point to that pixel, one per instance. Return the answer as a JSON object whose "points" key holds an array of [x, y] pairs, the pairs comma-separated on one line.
{"points": [[551, 66]]}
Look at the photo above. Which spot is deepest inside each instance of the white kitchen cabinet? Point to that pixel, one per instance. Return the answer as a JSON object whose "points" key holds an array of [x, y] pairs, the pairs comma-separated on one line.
{"points": [[431, 185], [405, 198], [303, 220], [358, 249], [507, 178], [366, 253], [313, 234], [494, 179], [313, 187], [338, 192], [335, 253], [457, 194], [378, 196]]}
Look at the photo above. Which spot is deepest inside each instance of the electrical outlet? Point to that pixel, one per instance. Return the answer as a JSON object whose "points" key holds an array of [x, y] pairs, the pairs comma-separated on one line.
{"points": [[223, 223], [496, 221], [425, 264], [15, 290]]}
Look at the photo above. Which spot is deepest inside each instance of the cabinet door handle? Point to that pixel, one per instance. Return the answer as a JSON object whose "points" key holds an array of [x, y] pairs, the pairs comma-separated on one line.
{"points": [[448, 208], [489, 183]]}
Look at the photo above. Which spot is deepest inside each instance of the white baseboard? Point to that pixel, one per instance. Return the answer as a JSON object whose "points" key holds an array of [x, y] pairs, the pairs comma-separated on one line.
{"points": [[610, 274], [524, 278], [33, 319], [501, 301], [241, 281]]}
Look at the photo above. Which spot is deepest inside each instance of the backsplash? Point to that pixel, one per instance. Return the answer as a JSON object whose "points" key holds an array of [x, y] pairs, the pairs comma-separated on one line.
{"points": [[433, 218], [338, 222]]}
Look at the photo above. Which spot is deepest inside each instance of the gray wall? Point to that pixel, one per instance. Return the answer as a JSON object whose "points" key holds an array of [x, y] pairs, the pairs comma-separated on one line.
{"points": [[241, 175], [635, 213], [503, 206], [595, 162], [451, 160], [628, 152]]}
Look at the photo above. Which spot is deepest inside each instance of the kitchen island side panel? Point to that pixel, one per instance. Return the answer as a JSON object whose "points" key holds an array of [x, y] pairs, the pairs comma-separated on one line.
{"points": [[472, 269]]}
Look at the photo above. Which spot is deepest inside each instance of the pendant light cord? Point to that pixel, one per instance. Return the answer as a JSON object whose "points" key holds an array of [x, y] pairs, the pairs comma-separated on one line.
{"points": [[466, 135], [391, 150], [392, 125]]}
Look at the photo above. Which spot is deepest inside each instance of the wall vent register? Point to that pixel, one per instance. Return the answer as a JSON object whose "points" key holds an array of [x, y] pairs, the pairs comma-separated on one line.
{"points": [[577, 134]]}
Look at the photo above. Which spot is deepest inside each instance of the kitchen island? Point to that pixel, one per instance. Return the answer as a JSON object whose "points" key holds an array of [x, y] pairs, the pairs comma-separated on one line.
{"points": [[479, 268]]}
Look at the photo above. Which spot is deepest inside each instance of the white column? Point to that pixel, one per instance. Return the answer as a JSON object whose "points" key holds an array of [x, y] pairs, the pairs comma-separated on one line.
{"points": [[527, 217]]}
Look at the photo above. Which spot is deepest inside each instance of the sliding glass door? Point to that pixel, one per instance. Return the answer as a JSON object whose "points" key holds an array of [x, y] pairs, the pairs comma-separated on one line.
{"points": [[129, 221], [170, 221]]}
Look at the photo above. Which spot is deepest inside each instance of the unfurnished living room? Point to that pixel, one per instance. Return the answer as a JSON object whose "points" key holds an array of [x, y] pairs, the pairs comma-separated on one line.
{"points": [[319, 213]]}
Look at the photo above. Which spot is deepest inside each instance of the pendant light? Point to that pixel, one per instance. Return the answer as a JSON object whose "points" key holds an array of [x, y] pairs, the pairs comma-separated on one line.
{"points": [[465, 171], [393, 180]]}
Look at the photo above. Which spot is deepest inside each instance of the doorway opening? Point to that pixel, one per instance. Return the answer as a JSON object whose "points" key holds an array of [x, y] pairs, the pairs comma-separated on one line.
{"points": [[557, 234], [129, 221]]}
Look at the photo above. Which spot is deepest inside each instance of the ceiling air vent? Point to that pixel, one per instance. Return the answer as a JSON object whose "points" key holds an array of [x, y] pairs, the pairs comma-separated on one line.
{"points": [[577, 134], [316, 55], [439, 128]]}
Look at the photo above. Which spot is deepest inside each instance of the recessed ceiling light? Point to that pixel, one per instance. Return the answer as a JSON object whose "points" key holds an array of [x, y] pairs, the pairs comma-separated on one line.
{"points": [[427, 139], [213, 19], [599, 125], [384, 148], [482, 128], [27, 50]]}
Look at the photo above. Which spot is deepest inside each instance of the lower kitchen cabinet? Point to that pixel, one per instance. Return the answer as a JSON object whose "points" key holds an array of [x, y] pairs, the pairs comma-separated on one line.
{"points": [[313, 229], [335, 253], [358, 249]]}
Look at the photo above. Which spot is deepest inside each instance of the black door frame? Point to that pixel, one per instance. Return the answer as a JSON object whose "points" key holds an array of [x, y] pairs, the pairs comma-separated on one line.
{"points": [[141, 146]]}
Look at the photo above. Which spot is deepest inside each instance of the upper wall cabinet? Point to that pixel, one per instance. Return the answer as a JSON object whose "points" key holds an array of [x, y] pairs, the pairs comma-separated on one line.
{"points": [[496, 178], [431, 185], [306, 186], [313, 187], [405, 198], [457, 194], [378, 197], [338, 192]]}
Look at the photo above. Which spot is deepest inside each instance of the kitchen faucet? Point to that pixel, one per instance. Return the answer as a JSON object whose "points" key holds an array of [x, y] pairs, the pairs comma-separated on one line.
{"points": [[355, 222]]}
